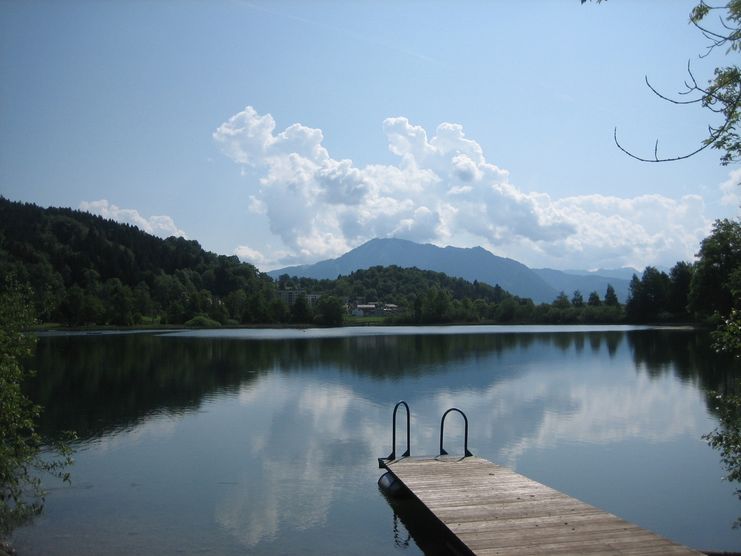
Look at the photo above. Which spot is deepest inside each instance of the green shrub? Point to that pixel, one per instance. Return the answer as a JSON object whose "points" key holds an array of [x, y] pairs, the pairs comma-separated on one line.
{"points": [[202, 321]]}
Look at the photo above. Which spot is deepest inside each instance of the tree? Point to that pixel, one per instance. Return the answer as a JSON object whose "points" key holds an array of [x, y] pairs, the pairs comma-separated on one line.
{"points": [[329, 311], [577, 300], [728, 338], [679, 288], [277, 311], [21, 494], [257, 309], [717, 271], [655, 289], [722, 94], [611, 298], [648, 296], [72, 306], [506, 310], [120, 301], [142, 300], [301, 311], [417, 314], [236, 303], [285, 282], [726, 438], [436, 305], [561, 301], [594, 300], [634, 306]]}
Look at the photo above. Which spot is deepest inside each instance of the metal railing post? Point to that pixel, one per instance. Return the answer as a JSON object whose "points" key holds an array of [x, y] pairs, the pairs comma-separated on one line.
{"points": [[465, 432], [392, 455]]}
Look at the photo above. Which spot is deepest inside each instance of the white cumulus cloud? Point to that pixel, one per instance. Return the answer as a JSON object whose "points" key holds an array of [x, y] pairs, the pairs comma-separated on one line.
{"points": [[731, 189], [160, 225], [443, 190], [247, 254]]}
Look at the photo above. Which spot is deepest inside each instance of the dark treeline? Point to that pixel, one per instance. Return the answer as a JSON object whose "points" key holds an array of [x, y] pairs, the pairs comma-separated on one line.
{"points": [[698, 292], [84, 269], [428, 297]]}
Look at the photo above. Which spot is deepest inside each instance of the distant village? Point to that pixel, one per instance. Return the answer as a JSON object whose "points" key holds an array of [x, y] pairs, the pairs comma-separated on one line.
{"points": [[356, 308]]}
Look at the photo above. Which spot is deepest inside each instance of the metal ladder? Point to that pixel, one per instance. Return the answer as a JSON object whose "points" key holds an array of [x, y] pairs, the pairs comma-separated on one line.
{"points": [[392, 456]]}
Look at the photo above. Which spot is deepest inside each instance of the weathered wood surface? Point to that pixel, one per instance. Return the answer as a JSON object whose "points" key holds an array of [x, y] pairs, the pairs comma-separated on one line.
{"points": [[495, 511]]}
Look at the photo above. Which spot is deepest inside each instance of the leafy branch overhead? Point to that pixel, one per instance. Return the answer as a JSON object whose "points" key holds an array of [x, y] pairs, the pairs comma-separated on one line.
{"points": [[722, 94]]}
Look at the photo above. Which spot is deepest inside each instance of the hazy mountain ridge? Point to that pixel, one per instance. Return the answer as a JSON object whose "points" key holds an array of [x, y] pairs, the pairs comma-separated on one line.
{"points": [[624, 273], [474, 263], [585, 283]]}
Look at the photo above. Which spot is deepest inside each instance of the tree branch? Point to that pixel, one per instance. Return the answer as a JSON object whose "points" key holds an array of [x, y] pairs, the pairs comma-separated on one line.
{"points": [[656, 147], [714, 135], [672, 100]]}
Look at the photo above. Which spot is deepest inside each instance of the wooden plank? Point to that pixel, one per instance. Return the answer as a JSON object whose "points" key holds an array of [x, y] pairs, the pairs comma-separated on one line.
{"points": [[592, 515], [475, 515], [606, 533], [611, 549], [493, 510], [588, 525]]}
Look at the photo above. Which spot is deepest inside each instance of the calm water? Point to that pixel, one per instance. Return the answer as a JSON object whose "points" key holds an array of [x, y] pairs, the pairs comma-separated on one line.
{"points": [[265, 442]]}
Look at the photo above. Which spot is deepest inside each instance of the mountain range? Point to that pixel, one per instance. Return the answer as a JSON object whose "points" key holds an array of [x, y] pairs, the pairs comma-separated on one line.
{"points": [[474, 263]]}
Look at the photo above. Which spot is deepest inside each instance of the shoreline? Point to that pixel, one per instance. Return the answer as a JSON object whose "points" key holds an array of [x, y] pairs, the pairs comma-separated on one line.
{"points": [[54, 327]]}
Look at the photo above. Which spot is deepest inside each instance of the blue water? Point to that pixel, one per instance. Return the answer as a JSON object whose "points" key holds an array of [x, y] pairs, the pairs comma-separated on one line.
{"points": [[265, 441]]}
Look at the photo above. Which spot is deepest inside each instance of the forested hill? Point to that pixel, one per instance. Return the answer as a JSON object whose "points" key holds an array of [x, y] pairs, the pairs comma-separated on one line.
{"points": [[86, 269], [470, 264]]}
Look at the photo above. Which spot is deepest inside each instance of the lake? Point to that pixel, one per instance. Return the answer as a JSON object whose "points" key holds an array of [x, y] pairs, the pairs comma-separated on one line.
{"points": [[266, 441]]}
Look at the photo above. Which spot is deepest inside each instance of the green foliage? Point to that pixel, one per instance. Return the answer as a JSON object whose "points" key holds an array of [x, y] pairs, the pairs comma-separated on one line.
{"points": [[561, 301], [21, 494], [727, 338], [660, 297], [648, 296], [301, 312], [202, 321], [727, 436], [330, 311], [424, 296], [723, 93], [86, 270], [611, 298], [680, 277], [718, 271]]}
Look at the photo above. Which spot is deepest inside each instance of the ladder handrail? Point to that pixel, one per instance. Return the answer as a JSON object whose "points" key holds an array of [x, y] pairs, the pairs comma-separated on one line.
{"points": [[392, 455], [465, 433]]}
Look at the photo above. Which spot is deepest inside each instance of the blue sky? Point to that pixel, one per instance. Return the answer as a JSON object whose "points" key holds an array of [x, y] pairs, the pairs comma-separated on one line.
{"points": [[290, 132]]}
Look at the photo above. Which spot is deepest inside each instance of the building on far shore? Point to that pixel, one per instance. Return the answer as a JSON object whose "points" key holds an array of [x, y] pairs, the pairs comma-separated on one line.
{"points": [[373, 309], [357, 309], [289, 297]]}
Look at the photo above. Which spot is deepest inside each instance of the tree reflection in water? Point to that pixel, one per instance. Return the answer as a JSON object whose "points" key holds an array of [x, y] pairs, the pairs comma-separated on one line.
{"points": [[294, 425], [101, 383]]}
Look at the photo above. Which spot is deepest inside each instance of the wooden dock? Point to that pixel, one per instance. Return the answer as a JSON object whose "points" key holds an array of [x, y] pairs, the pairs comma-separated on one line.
{"points": [[493, 510]]}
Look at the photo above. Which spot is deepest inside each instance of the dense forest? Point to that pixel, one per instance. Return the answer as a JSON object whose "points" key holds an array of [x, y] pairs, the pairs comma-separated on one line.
{"points": [[432, 297], [85, 270]]}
